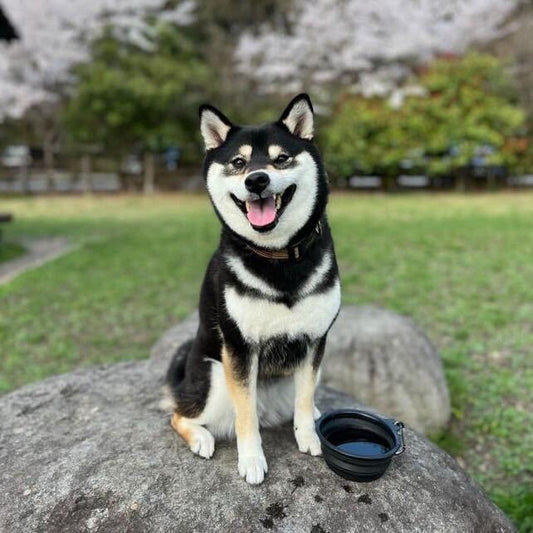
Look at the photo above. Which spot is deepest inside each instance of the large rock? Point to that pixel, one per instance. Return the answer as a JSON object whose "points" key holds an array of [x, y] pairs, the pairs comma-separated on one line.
{"points": [[387, 362], [380, 357], [89, 451]]}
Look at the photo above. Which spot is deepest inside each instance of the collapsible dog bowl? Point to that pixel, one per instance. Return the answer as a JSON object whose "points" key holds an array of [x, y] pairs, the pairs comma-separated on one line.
{"points": [[358, 445]]}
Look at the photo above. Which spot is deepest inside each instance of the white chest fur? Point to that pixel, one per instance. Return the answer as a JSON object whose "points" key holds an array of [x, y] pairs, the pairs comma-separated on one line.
{"points": [[259, 319]]}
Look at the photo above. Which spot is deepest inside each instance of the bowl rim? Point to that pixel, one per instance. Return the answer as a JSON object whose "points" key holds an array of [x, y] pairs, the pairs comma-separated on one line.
{"points": [[392, 426]]}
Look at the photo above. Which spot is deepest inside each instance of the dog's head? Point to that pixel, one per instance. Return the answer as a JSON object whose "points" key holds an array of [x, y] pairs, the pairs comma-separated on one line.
{"points": [[267, 183]]}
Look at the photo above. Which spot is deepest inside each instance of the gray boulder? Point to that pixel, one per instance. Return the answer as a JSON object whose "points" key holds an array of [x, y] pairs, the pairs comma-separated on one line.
{"points": [[89, 451], [387, 362]]}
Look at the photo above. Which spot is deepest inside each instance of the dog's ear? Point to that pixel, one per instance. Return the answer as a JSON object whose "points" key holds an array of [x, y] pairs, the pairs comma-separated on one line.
{"points": [[214, 126], [298, 117]]}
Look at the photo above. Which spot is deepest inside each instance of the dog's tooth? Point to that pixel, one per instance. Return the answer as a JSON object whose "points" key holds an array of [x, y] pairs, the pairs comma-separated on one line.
{"points": [[247, 205], [278, 201]]}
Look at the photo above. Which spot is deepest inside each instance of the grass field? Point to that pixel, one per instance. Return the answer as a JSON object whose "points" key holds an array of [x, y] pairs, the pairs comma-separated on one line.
{"points": [[462, 266]]}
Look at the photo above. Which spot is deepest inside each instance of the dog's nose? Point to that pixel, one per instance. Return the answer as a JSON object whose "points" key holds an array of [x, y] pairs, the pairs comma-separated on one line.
{"points": [[257, 182]]}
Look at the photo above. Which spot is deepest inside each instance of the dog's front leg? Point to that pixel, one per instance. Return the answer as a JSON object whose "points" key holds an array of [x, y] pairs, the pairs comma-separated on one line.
{"points": [[305, 412], [242, 386]]}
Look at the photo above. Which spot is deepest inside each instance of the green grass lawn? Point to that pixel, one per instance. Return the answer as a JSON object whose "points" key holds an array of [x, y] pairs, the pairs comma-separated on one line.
{"points": [[462, 266]]}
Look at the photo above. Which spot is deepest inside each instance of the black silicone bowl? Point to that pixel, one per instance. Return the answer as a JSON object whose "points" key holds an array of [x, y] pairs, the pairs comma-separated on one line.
{"points": [[359, 445]]}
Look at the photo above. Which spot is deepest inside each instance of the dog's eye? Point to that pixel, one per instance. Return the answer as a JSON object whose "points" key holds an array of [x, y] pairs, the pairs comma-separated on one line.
{"points": [[239, 163], [281, 159]]}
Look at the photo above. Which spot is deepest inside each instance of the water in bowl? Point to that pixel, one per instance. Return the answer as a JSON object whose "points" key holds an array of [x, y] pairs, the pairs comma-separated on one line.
{"points": [[363, 447]]}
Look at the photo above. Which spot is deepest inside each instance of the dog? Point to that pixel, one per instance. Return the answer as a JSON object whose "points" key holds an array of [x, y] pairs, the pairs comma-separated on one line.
{"points": [[270, 294]]}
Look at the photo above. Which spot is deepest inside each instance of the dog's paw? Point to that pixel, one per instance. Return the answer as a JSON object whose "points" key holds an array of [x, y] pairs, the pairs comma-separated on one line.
{"points": [[202, 443], [253, 468], [308, 441]]}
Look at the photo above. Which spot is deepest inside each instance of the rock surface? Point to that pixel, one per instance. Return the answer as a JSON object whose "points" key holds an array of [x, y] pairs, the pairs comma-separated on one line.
{"points": [[380, 357], [387, 362], [90, 451]]}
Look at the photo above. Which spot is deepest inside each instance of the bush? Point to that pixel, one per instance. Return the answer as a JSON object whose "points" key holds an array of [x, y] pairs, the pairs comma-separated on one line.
{"points": [[466, 109]]}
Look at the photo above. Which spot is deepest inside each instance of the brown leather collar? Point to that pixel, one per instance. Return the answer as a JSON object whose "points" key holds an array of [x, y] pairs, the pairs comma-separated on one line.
{"points": [[291, 253]]}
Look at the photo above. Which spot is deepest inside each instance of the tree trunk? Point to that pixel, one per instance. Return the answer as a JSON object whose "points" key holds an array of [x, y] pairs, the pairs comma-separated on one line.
{"points": [[25, 178], [86, 180], [48, 152], [491, 180], [460, 182], [390, 184], [149, 173]]}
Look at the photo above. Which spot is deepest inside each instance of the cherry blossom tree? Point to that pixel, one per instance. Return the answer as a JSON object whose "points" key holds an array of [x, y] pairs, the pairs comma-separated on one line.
{"points": [[368, 42], [55, 35]]}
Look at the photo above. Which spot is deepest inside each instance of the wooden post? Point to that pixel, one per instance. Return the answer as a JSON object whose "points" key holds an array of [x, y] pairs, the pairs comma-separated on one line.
{"points": [[149, 173], [49, 159], [85, 167]]}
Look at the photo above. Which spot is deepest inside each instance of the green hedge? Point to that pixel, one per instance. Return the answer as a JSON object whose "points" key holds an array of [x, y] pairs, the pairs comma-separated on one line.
{"points": [[467, 104]]}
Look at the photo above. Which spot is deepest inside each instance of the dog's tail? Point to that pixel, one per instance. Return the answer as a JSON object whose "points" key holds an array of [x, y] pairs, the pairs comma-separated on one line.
{"points": [[175, 375]]}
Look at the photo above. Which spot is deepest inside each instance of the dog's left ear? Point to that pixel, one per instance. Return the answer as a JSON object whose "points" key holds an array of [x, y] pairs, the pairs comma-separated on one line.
{"points": [[298, 117]]}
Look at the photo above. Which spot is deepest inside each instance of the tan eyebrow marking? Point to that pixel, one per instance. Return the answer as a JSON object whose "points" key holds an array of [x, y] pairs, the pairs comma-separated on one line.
{"points": [[246, 151], [274, 150]]}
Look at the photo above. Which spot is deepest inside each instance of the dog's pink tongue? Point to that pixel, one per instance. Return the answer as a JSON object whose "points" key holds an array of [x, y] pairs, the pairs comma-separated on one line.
{"points": [[262, 212]]}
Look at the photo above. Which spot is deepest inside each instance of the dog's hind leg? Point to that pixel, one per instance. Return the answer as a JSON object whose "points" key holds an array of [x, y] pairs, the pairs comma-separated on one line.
{"points": [[185, 396], [199, 439]]}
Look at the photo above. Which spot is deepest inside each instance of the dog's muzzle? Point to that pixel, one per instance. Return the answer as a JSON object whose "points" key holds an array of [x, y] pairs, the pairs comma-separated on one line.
{"points": [[264, 210]]}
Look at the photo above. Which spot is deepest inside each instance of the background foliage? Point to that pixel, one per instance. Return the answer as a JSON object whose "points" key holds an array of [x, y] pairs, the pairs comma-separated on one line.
{"points": [[128, 96], [465, 105], [128, 77]]}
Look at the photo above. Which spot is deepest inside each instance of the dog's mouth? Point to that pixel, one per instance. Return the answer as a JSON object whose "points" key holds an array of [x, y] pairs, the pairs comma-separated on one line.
{"points": [[263, 214]]}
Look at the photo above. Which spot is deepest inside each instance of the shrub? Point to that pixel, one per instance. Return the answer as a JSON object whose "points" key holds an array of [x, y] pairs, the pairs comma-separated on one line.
{"points": [[467, 109]]}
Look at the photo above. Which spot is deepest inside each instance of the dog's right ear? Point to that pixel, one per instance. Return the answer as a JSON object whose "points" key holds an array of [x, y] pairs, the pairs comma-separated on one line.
{"points": [[214, 126]]}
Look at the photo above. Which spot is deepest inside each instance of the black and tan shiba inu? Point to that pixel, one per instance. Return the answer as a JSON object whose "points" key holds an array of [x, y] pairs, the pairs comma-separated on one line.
{"points": [[270, 294]]}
